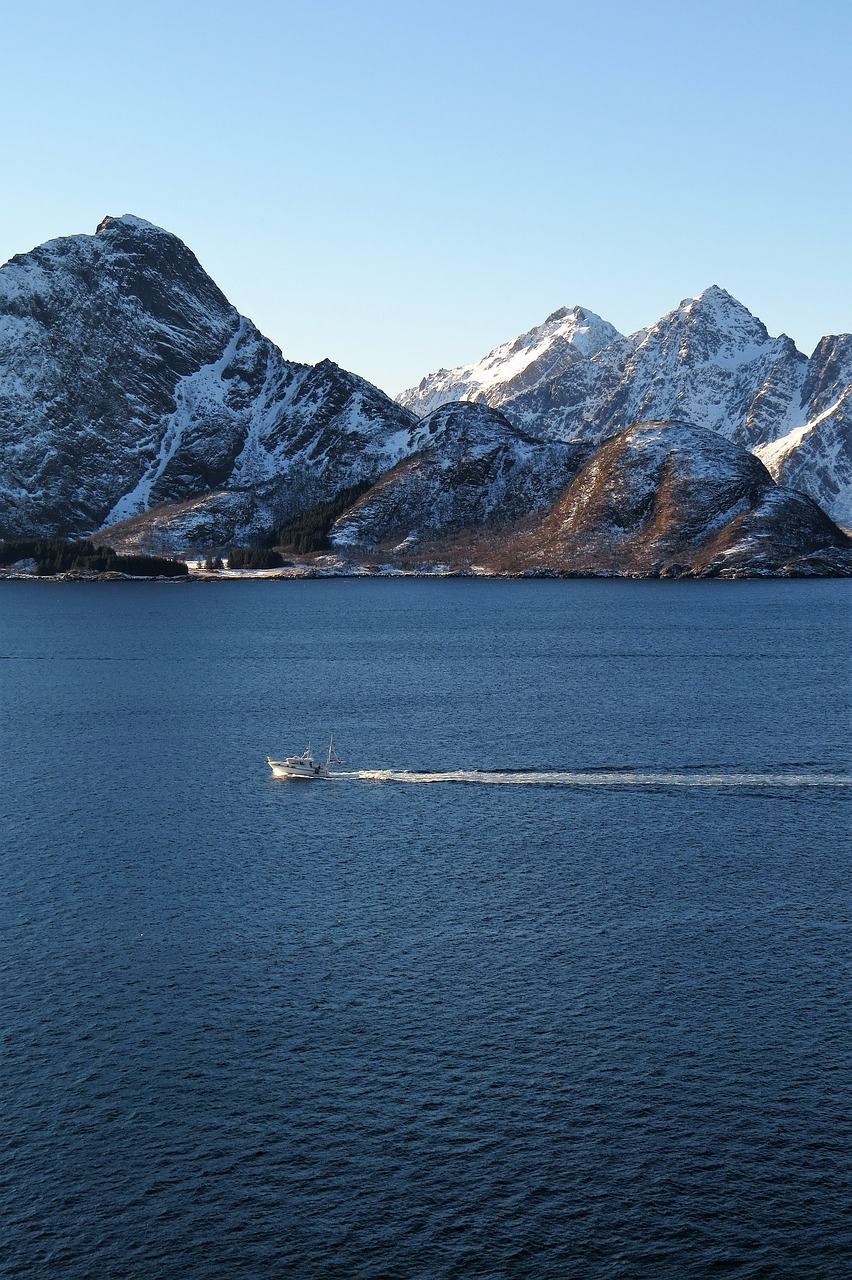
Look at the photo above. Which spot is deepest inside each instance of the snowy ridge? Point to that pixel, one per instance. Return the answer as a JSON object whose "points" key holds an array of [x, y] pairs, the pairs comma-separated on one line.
{"points": [[515, 366], [710, 362]]}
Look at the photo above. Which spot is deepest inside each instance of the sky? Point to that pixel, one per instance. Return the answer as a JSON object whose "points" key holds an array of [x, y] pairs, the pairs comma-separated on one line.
{"points": [[402, 186]]}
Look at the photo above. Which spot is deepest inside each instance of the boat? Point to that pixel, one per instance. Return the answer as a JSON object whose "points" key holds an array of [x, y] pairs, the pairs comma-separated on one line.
{"points": [[304, 766]]}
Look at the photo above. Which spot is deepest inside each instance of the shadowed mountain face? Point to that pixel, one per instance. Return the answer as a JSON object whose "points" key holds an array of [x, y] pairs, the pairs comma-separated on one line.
{"points": [[136, 401], [709, 362], [129, 381]]}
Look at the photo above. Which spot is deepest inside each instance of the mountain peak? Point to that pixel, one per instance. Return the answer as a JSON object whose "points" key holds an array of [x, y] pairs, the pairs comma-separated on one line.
{"points": [[566, 337], [715, 301], [713, 325], [569, 313], [126, 220], [715, 292]]}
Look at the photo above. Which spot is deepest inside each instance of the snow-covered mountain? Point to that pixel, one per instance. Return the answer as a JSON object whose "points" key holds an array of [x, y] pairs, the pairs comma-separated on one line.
{"points": [[521, 365], [138, 405], [663, 499], [127, 381], [468, 469], [709, 362], [672, 499], [816, 454]]}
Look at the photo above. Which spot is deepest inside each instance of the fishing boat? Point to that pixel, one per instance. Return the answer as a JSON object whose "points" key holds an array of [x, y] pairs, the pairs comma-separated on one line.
{"points": [[304, 766]]}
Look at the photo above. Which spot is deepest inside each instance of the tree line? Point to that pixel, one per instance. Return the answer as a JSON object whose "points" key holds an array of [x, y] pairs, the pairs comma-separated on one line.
{"points": [[252, 558], [310, 529], [59, 555], [307, 532]]}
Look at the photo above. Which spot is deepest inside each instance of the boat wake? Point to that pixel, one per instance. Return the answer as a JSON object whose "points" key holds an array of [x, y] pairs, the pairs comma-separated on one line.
{"points": [[603, 778]]}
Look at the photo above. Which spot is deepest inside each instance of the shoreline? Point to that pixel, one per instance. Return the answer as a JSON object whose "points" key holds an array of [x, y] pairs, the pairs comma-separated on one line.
{"points": [[308, 573]]}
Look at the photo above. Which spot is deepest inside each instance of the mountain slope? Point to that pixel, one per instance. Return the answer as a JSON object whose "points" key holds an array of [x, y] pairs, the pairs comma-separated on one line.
{"points": [[129, 381], [816, 454], [671, 499], [467, 469]]}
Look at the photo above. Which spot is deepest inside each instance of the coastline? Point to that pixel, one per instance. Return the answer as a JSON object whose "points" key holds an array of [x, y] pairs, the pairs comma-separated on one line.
{"points": [[302, 573]]}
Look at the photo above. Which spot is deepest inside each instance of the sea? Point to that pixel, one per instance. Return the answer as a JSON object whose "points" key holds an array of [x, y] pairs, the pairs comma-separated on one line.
{"points": [[551, 980]]}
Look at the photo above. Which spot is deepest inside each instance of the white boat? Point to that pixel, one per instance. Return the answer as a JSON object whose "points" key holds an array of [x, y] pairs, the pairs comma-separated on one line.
{"points": [[304, 766]]}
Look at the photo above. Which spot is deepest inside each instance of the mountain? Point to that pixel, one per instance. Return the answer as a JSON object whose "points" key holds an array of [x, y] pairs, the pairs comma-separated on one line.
{"points": [[709, 362], [139, 407], [671, 499], [816, 455], [129, 382], [468, 469], [527, 362], [658, 499]]}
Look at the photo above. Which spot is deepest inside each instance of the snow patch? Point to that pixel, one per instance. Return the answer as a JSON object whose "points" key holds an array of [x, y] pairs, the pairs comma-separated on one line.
{"points": [[203, 386], [771, 454]]}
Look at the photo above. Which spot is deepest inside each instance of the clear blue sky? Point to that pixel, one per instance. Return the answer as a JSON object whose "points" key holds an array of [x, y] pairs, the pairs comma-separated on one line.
{"points": [[403, 185]]}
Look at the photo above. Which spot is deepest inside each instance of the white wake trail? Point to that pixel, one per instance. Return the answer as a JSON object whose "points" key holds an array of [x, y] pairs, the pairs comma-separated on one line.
{"points": [[602, 778]]}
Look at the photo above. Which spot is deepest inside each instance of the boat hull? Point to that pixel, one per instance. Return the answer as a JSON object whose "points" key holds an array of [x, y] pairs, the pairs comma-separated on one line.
{"points": [[297, 775], [303, 768]]}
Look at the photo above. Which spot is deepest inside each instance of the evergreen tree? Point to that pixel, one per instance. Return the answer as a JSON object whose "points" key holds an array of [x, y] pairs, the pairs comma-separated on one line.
{"points": [[58, 555], [309, 530]]}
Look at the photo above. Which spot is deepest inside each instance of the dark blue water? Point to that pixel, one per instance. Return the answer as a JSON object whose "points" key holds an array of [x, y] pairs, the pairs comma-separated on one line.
{"points": [[595, 1025]]}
